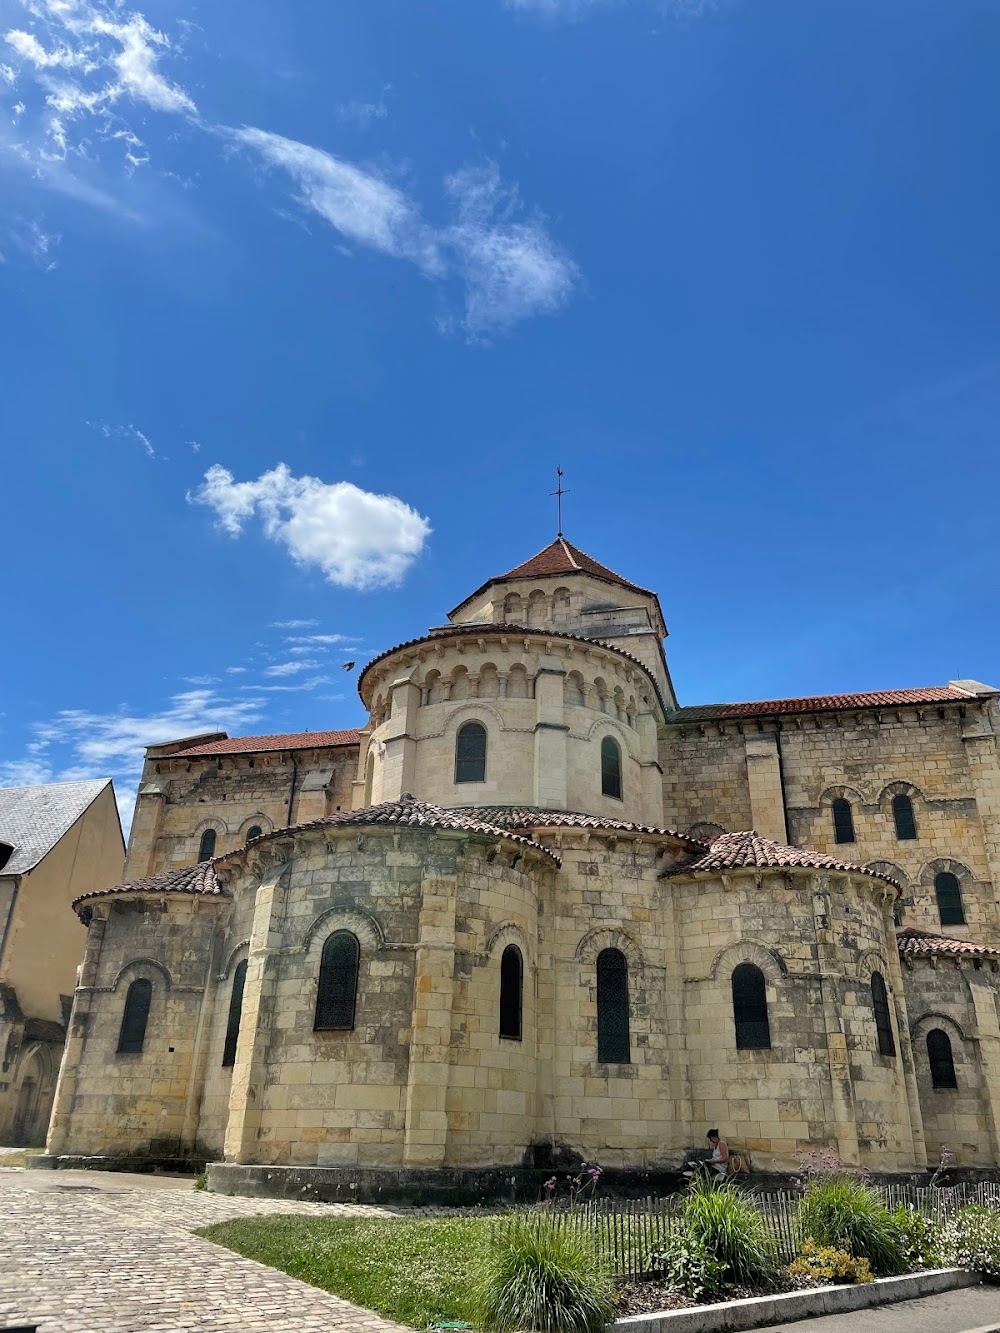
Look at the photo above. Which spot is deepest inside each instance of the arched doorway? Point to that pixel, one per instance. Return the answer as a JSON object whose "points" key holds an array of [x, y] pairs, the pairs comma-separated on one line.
{"points": [[34, 1101]]}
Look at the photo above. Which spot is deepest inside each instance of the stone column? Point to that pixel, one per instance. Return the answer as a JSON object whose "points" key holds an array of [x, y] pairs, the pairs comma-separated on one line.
{"points": [[550, 739], [652, 772], [399, 762], [842, 1107], [426, 1130], [76, 1037], [259, 993], [895, 979], [767, 806], [986, 1034], [141, 855]]}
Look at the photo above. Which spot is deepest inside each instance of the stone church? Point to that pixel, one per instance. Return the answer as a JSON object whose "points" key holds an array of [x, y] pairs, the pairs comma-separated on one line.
{"points": [[535, 906]]}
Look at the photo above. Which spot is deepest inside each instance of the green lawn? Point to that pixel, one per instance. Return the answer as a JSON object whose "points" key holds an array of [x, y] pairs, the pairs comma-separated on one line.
{"points": [[414, 1271]]}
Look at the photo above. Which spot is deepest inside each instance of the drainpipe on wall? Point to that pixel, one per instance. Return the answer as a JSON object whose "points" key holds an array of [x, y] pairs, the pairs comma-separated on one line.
{"points": [[781, 780], [10, 915], [291, 791]]}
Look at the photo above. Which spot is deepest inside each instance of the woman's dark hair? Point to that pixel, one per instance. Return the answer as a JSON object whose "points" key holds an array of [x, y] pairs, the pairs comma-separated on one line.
{"points": [[713, 1134]]}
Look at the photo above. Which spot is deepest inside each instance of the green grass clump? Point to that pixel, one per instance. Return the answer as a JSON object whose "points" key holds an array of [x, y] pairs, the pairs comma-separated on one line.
{"points": [[727, 1224], [543, 1278], [848, 1214], [414, 1270]]}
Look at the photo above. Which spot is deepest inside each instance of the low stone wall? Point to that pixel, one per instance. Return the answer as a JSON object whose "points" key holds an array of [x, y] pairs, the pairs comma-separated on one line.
{"points": [[759, 1311]]}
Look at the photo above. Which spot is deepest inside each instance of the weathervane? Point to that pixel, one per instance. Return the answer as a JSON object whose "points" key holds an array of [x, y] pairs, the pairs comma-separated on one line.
{"points": [[559, 492]]}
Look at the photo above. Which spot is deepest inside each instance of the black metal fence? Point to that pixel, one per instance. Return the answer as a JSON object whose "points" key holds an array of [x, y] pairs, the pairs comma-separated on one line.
{"points": [[626, 1231]]}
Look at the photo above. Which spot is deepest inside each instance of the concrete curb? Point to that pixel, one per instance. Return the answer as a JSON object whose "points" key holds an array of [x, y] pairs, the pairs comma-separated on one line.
{"points": [[728, 1316]]}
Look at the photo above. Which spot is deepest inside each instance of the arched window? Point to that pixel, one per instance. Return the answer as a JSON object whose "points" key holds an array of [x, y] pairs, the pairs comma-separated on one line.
{"points": [[470, 753], [338, 981], [235, 1009], [902, 813], [883, 1023], [753, 1031], [206, 848], [135, 1017], [369, 778], [511, 991], [612, 1007], [611, 768], [949, 899], [843, 821], [254, 831], [941, 1060]]}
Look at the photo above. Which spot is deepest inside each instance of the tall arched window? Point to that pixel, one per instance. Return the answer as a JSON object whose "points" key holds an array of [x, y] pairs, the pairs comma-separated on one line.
{"points": [[511, 992], [235, 1010], [206, 848], [612, 1007], [611, 768], [902, 813], [941, 1060], [949, 899], [470, 753], [135, 1017], [369, 778], [254, 831], [753, 1030], [338, 981], [883, 1023], [843, 821]]}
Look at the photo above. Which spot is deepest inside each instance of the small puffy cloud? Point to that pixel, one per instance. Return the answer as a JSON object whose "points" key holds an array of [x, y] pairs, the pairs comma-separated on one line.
{"points": [[325, 639], [357, 538], [290, 668]]}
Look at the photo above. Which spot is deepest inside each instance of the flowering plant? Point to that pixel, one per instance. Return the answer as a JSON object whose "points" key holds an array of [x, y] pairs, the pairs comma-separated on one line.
{"points": [[572, 1190], [947, 1160]]}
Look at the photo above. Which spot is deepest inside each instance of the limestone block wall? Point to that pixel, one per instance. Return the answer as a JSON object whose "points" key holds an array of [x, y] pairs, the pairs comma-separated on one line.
{"points": [[960, 1119], [817, 941], [546, 705], [705, 778], [144, 1103], [180, 797]]}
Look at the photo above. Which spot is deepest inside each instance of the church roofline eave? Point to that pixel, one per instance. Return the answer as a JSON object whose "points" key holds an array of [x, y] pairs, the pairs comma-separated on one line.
{"points": [[219, 895], [733, 872], [483, 835], [484, 631]]}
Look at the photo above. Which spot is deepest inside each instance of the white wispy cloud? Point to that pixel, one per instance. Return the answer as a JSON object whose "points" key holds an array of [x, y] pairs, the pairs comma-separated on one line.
{"points": [[128, 432], [509, 265], [357, 538], [28, 237], [290, 668], [293, 624], [201, 680], [670, 9], [289, 689], [365, 114], [80, 743], [327, 639]]}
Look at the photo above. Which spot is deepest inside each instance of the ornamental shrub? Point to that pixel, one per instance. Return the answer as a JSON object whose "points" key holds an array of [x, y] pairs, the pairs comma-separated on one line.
{"points": [[543, 1277], [687, 1265], [730, 1227], [919, 1238], [848, 1214], [826, 1263], [972, 1240]]}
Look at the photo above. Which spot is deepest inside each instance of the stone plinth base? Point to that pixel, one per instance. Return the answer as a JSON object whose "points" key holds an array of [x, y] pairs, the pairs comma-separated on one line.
{"points": [[184, 1166]]}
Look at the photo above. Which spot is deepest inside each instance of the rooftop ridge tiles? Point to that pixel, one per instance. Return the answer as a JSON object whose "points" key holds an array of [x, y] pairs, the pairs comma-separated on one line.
{"points": [[537, 816], [197, 879], [747, 849], [910, 939], [822, 702], [290, 740]]}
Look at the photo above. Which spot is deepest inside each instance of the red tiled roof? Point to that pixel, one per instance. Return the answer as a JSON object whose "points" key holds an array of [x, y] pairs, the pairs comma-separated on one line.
{"points": [[819, 703], [405, 813], [534, 816], [738, 851], [200, 878], [485, 630], [559, 557], [294, 740], [913, 941]]}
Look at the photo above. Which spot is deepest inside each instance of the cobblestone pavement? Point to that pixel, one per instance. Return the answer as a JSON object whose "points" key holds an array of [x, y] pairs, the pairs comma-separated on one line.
{"points": [[110, 1257]]}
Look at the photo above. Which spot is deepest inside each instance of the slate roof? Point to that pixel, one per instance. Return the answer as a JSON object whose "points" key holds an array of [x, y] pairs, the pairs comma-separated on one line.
{"points": [[923, 942], [200, 878], [405, 813], [294, 740], [737, 851], [821, 703], [536, 816], [33, 819], [559, 557]]}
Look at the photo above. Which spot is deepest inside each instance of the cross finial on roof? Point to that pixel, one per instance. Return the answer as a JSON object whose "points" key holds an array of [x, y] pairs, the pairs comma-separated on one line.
{"points": [[559, 492]]}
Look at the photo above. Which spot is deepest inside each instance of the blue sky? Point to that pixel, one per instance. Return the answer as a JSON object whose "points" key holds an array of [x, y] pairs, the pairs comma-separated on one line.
{"points": [[304, 304]]}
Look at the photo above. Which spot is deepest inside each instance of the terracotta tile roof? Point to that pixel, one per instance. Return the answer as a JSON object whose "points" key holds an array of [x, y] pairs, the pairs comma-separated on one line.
{"points": [[483, 631], [820, 703], [534, 816], [405, 813], [294, 740], [913, 941], [737, 851], [559, 557], [200, 878]]}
